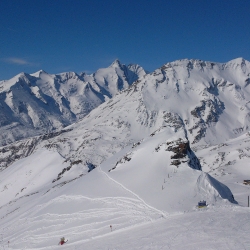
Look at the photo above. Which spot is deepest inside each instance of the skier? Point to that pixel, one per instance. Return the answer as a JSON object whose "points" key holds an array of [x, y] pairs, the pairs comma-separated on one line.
{"points": [[62, 241]]}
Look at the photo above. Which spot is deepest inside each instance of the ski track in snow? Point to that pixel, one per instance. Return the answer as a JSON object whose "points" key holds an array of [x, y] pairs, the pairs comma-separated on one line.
{"points": [[122, 212], [134, 194], [204, 230], [91, 223]]}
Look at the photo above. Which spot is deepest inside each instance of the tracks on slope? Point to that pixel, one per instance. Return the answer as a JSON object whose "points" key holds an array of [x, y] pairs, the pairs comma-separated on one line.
{"points": [[134, 194]]}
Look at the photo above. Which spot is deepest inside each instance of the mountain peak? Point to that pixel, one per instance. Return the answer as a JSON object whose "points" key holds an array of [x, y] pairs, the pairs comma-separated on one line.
{"points": [[18, 76], [239, 61], [38, 73], [116, 64]]}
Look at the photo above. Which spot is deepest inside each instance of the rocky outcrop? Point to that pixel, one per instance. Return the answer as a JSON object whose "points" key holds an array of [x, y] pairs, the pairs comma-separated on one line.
{"points": [[16, 151], [205, 114], [183, 153]]}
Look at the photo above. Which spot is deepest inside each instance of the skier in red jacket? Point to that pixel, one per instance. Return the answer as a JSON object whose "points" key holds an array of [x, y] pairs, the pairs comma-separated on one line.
{"points": [[62, 241]]}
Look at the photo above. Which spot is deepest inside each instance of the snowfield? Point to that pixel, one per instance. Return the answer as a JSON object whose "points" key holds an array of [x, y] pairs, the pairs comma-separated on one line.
{"points": [[130, 173], [150, 204]]}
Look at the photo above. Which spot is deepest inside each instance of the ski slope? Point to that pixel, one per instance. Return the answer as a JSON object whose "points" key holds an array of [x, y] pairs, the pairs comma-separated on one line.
{"points": [[145, 211], [217, 229]]}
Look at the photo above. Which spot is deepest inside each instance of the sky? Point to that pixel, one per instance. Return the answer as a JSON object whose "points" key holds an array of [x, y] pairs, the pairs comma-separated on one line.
{"points": [[81, 35]]}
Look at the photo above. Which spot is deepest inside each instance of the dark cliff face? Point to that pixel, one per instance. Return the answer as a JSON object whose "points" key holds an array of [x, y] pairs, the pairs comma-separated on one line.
{"points": [[180, 149], [183, 153]]}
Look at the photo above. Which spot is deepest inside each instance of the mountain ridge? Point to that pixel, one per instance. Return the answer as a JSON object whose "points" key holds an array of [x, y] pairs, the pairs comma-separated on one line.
{"points": [[201, 102], [46, 102]]}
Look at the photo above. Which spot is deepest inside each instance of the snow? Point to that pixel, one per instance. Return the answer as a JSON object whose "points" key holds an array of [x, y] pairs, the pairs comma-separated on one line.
{"points": [[36, 212], [219, 229], [84, 209], [30, 174], [228, 163], [143, 145], [57, 99]]}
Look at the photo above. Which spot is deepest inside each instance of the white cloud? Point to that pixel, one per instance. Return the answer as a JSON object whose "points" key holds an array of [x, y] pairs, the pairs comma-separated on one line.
{"points": [[19, 61]]}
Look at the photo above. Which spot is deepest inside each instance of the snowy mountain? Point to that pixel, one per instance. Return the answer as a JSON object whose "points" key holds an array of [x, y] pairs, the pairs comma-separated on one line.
{"points": [[140, 162], [40, 103], [208, 103], [204, 96]]}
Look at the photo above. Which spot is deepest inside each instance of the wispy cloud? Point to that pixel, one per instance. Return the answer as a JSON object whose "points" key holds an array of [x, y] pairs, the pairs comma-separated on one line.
{"points": [[19, 61]]}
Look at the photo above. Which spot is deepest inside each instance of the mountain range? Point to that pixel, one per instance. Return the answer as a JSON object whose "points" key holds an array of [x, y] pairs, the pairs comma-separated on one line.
{"points": [[124, 147], [33, 104]]}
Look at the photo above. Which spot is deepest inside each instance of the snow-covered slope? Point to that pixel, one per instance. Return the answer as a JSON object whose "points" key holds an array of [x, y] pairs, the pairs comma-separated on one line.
{"points": [[40, 103], [229, 163], [140, 185], [211, 100], [165, 174]]}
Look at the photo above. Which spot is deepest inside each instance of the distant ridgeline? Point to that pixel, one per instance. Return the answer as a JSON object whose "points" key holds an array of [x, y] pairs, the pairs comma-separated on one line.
{"points": [[34, 104], [209, 101]]}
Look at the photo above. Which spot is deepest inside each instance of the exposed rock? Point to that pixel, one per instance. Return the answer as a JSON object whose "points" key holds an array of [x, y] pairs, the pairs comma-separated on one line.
{"points": [[182, 150], [54, 134], [207, 113], [124, 159], [176, 163], [16, 151]]}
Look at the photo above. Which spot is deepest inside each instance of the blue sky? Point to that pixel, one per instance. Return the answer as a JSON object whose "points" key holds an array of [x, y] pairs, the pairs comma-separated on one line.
{"points": [[79, 35]]}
